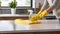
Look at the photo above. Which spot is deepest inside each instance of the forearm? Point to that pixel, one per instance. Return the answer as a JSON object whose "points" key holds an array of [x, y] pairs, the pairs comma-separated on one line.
{"points": [[45, 5], [49, 9], [53, 6]]}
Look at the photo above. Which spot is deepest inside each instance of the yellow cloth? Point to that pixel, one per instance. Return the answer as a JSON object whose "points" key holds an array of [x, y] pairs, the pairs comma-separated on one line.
{"points": [[39, 15], [24, 22], [20, 21]]}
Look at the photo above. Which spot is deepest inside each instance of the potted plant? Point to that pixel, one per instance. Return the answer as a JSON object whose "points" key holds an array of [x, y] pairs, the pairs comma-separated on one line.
{"points": [[13, 6]]}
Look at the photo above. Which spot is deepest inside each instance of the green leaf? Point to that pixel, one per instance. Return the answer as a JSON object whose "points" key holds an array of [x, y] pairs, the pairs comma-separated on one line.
{"points": [[13, 4]]}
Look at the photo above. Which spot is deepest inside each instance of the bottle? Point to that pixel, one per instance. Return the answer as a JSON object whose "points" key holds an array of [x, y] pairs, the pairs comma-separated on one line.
{"points": [[31, 13]]}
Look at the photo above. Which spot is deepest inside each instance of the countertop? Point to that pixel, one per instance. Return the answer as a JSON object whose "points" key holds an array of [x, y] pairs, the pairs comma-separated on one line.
{"points": [[19, 15], [6, 26]]}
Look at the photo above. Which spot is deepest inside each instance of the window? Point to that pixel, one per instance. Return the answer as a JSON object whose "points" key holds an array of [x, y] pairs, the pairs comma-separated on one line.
{"points": [[23, 2], [5, 2], [19, 2], [22, 6]]}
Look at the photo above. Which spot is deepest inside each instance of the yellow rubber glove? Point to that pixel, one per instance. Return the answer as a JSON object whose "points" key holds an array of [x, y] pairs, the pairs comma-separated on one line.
{"points": [[34, 18], [39, 12], [43, 14], [39, 15]]}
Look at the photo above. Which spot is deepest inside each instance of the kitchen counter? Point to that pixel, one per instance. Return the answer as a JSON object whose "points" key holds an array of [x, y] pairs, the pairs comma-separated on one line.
{"points": [[6, 26], [19, 15]]}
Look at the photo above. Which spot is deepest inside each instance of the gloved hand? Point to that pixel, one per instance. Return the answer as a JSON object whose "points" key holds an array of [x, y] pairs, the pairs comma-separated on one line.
{"points": [[39, 15], [43, 14], [40, 12], [34, 18]]}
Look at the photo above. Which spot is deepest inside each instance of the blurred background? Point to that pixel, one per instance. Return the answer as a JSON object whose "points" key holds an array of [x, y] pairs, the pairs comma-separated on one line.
{"points": [[23, 6]]}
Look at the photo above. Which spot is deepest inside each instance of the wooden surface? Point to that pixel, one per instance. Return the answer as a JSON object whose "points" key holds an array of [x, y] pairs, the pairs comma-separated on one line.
{"points": [[50, 32], [57, 32], [12, 18]]}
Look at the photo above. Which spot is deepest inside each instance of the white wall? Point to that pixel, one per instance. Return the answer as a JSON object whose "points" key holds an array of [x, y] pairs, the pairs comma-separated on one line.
{"points": [[36, 3]]}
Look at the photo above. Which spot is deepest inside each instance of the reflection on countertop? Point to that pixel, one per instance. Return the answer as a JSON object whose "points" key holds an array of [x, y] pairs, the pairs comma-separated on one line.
{"points": [[47, 25]]}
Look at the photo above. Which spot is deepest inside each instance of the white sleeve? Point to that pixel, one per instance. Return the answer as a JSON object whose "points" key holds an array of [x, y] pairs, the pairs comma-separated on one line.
{"points": [[55, 2], [45, 5]]}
